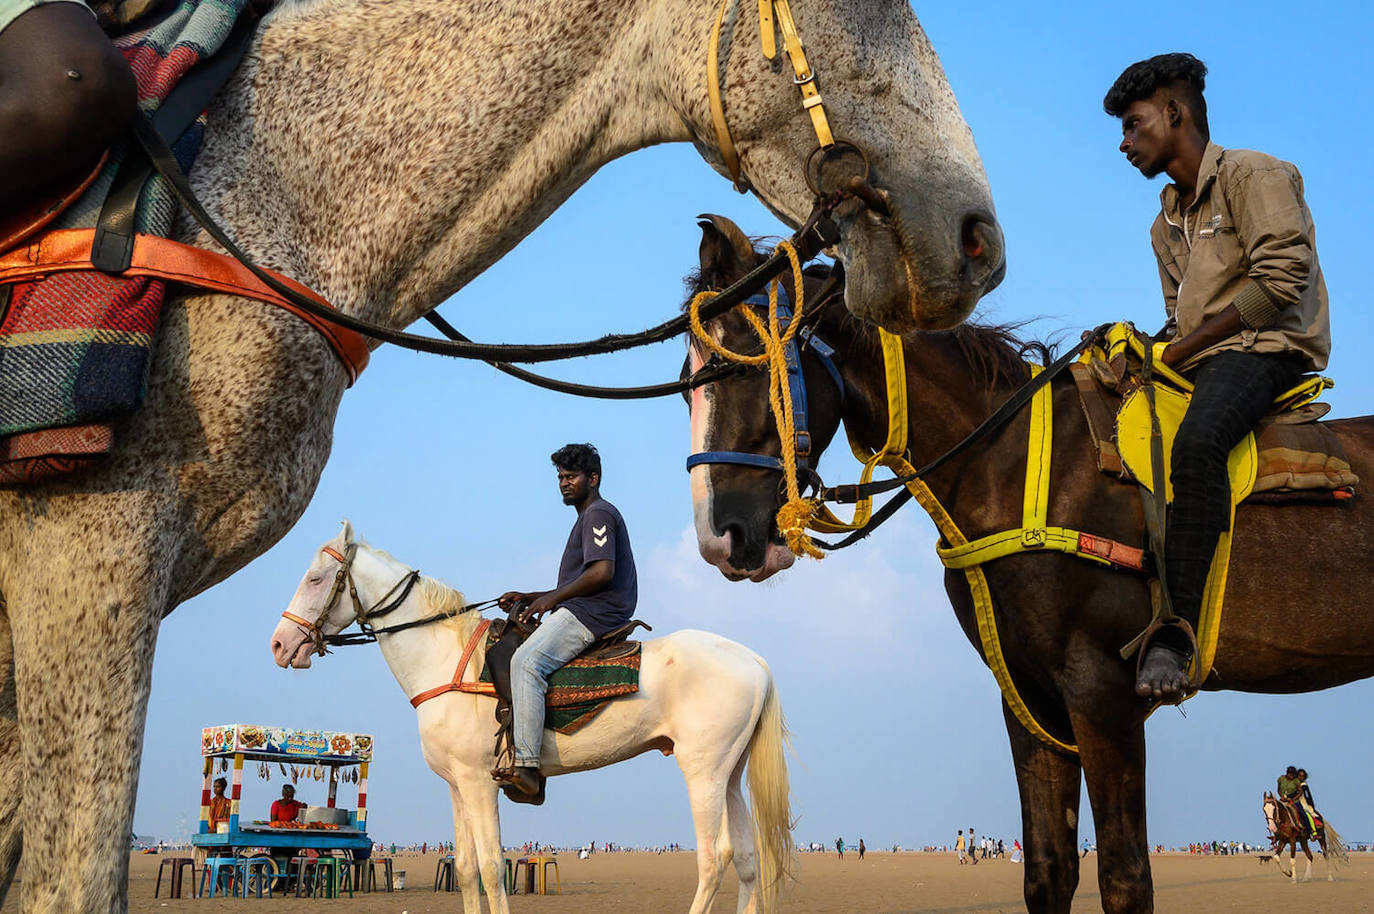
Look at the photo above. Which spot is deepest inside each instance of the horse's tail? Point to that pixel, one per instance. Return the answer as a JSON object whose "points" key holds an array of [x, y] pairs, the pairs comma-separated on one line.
{"points": [[770, 798], [1333, 847]]}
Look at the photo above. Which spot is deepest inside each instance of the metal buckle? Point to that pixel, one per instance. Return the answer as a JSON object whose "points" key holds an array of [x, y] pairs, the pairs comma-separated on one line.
{"points": [[803, 444]]}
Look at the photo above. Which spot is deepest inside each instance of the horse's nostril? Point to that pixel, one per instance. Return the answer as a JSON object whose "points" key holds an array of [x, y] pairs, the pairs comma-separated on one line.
{"points": [[974, 237]]}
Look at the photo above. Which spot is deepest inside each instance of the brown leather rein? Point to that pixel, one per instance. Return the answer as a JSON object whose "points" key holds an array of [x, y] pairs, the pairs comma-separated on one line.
{"points": [[388, 602]]}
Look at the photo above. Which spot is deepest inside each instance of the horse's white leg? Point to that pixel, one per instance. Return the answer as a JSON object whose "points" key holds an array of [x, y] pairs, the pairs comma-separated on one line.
{"points": [[464, 853], [11, 768], [741, 827], [1307, 876], [706, 791], [479, 798], [83, 660]]}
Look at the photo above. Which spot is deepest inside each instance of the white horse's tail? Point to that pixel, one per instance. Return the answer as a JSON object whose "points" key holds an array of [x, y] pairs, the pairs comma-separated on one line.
{"points": [[770, 798], [1334, 848]]}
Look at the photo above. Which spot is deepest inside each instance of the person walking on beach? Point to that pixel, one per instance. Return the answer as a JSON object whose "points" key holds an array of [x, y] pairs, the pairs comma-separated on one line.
{"points": [[862, 849], [959, 846], [839, 847], [972, 848]]}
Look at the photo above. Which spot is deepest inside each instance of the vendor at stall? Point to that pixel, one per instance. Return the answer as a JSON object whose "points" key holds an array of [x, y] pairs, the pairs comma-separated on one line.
{"points": [[219, 805], [288, 807]]}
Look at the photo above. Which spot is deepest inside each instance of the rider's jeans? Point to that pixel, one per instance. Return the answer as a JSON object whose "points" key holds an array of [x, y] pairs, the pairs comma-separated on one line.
{"points": [[559, 639]]}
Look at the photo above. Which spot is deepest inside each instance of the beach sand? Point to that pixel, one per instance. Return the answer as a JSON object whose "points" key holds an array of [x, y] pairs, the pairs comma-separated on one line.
{"points": [[883, 882]]}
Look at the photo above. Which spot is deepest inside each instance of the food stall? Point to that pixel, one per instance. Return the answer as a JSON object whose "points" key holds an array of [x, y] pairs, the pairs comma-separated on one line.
{"points": [[291, 756]]}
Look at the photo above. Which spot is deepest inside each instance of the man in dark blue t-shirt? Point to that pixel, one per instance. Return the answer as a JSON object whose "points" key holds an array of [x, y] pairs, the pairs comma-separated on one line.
{"points": [[596, 593]]}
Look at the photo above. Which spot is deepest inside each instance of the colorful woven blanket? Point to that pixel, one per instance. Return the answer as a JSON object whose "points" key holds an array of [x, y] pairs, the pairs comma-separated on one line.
{"points": [[75, 347], [584, 686]]}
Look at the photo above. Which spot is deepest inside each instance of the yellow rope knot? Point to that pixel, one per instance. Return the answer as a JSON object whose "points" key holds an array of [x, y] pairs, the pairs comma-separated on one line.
{"points": [[794, 519]]}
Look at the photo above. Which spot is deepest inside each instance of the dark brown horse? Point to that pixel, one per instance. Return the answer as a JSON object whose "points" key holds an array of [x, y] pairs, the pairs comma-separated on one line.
{"points": [[1062, 619], [1286, 829]]}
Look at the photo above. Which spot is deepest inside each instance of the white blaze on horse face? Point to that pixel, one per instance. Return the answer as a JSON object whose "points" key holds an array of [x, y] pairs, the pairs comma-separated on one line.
{"points": [[714, 549]]}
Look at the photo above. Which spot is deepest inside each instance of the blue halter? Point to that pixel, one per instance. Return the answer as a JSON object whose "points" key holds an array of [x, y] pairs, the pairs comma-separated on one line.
{"points": [[796, 383]]}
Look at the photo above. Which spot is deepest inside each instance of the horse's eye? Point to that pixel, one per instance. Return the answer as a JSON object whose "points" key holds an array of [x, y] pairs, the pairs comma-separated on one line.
{"points": [[316, 578]]}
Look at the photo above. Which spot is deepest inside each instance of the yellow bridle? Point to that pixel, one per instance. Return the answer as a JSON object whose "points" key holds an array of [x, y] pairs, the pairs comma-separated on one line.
{"points": [[770, 11]]}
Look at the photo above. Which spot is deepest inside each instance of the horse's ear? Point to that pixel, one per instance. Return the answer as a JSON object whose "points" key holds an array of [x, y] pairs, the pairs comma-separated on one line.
{"points": [[725, 250], [346, 534]]}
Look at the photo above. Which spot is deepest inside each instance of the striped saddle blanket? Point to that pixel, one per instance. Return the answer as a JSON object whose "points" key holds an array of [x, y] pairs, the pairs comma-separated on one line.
{"points": [[75, 347], [586, 684]]}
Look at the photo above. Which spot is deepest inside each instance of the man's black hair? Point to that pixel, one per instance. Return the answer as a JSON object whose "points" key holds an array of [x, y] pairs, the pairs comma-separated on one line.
{"points": [[1182, 72], [580, 457], [223, 781]]}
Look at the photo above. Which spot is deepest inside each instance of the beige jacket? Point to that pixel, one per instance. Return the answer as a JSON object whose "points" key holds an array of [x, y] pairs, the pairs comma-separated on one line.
{"points": [[1247, 240]]}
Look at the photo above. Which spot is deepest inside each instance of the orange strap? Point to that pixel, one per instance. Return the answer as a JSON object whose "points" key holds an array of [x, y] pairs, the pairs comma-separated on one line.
{"points": [[162, 258], [457, 684]]}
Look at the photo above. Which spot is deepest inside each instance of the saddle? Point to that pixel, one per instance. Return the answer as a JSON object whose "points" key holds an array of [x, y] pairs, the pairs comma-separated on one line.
{"points": [[1291, 456], [583, 699]]}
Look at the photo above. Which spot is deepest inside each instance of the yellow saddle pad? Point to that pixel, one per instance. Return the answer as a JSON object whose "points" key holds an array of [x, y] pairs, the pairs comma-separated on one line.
{"points": [[1133, 442]]}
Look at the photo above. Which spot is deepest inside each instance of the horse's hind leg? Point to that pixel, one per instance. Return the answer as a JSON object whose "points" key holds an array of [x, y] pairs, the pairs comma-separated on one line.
{"points": [[741, 827], [707, 793], [11, 769], [1048, 782], [1307, 876]]}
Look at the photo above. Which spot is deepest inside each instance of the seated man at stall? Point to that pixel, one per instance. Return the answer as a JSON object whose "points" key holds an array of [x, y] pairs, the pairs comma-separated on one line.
{"points": [[219, 805], [288, 807]]}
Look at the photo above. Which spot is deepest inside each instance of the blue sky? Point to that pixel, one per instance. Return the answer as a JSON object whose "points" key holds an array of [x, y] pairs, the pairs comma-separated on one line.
{"points": [[445, 464]]}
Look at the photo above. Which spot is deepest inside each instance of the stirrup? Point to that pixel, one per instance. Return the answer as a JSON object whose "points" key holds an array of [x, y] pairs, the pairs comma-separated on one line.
{"points": [[1147, 637]]}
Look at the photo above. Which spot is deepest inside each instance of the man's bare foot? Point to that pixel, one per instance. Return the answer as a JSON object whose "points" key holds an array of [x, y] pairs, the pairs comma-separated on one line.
{"points": [[1163, 674]]}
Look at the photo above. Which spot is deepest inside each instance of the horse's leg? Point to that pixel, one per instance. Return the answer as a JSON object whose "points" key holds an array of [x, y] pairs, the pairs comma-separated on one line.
{"points": [[1307, 876], [1048, 782], [742, 837], [11, 768], [464, 852], [1111, 747], [479, 797], [706, 792], [83, 654]]}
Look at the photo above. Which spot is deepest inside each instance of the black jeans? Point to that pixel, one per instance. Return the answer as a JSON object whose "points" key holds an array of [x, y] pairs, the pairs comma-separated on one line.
{"points": [[1232, 391]]}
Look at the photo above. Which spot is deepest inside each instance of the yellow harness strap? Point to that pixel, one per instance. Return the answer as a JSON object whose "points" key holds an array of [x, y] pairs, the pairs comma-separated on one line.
{"points": [[803, 76]]}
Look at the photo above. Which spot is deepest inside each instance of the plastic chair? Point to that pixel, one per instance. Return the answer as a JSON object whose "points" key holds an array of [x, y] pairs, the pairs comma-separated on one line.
{"points": [[302, 865], [542, 868], [386, 866], [177, 864], [258, 872], [443, 874], [214, 869], [332, 875]]}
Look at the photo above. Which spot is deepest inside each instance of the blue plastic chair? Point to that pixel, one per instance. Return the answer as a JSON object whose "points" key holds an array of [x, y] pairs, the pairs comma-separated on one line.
{"points": [[214, 867]]}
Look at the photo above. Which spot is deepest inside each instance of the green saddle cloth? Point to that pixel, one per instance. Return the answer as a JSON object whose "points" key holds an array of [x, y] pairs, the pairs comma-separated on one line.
{"points": [[584, 686]]}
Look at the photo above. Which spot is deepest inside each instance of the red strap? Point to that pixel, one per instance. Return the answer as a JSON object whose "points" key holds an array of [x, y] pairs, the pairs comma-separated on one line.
{"points": [[457, 684], [1112, 551], [162, 258], [297, 619]]}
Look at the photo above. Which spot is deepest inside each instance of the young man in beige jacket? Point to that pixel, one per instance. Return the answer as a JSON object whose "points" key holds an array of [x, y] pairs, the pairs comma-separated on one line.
{"points": [[1246, 306]]}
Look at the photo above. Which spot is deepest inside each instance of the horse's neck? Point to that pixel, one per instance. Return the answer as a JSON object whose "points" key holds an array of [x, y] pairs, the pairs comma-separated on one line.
{"points": [[422, 657], [387, 152]]}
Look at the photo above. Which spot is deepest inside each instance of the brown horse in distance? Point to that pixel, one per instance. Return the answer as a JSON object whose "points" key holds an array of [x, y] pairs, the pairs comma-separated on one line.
{"points": [[1287, 830], [1062, 620]]}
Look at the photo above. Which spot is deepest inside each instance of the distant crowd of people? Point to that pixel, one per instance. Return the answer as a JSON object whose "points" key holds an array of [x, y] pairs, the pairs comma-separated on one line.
{"points": [[970, 848]]}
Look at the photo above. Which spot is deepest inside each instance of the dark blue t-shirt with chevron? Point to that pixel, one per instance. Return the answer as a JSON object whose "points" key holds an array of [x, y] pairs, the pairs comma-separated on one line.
{"points": [[600, 533]]}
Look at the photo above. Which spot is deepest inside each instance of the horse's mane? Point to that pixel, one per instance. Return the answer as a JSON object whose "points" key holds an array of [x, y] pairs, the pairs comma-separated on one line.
{"points": [[438, 597], [994, 351]]}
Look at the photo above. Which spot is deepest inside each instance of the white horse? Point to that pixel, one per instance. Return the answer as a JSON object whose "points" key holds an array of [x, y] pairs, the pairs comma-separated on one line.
{"points": [[385, 152], [702, 698]]}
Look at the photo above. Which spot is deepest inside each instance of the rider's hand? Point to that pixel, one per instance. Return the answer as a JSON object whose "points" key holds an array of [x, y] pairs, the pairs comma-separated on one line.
{"points": [[540, 605], [511, 597]]}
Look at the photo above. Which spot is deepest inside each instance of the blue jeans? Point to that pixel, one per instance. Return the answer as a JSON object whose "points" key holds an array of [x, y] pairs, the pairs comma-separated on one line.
{"points": [[559, 639]]}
